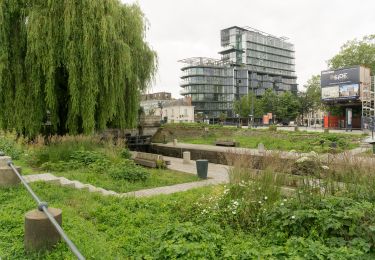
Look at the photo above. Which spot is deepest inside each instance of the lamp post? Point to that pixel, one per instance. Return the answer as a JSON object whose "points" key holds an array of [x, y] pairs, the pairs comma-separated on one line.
{"points": [[252, 101]]}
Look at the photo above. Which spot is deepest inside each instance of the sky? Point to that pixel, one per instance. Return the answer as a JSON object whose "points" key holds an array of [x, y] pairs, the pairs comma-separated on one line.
{"points": [[179, 29]]}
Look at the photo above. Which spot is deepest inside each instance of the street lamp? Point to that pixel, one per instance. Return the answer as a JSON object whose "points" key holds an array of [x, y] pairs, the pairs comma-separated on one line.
{"points": [[250, 121]]}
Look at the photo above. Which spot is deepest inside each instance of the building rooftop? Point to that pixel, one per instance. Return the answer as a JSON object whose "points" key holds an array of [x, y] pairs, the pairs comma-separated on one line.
{"points": [[194, 61]]}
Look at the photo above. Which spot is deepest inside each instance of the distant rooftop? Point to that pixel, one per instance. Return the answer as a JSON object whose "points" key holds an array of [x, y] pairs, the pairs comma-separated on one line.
{"points": [[202, 61], [251, 29]]}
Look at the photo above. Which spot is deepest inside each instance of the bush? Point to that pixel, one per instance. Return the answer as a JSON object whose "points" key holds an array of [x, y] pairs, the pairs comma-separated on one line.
{"points": [[128, 171], [189, 241], [85, 157], [10, 148], [272, 128], [125, 153], [337, 221]]}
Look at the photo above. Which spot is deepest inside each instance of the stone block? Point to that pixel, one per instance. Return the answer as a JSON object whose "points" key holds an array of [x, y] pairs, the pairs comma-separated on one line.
{"points": [[40, 234], [4, 161], [261, 148], [8, 178], [186, 157]]}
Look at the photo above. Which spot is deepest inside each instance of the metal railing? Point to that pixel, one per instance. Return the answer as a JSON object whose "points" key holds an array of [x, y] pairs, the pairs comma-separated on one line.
{"points": [[43, 206]]}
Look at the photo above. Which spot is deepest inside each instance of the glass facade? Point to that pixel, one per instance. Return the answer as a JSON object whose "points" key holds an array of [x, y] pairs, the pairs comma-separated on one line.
{"points": [[251, 61]]}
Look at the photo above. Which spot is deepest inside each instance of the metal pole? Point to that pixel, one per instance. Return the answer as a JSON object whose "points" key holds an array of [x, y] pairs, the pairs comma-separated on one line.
{"points": [[43, 206], [252, 102]]}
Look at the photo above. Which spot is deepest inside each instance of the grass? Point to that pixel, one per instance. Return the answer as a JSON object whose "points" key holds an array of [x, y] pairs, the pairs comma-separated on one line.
{"points": [[248, 219], [158, 178], [281, 140], [101, 227]]}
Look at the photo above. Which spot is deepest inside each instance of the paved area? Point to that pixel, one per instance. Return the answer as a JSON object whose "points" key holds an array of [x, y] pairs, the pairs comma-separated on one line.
{"points": [[235, 150]]}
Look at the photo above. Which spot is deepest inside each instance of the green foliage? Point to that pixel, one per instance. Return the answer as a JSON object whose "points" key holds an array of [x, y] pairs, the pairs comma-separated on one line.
{"points": [[128, 171], [288, 106], [356, 52], [336, 221], [125, 153], [243, 107], [300, 141], [10, 148], [272, 128], [189, 241], [285, 106], [311, 99], [78, 64]]}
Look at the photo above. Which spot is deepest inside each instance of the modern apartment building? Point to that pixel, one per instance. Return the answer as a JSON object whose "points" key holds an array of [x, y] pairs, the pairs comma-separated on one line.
{"points": [[251, 61]]}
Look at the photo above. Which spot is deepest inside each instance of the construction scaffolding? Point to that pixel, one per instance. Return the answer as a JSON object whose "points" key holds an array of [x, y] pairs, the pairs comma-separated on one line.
{"points": [[368, 106]]}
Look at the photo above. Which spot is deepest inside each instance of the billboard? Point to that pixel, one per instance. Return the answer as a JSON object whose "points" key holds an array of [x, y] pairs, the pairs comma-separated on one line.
{"points": [[331, 92], [344, 84], [349, 91], [341, 76]]}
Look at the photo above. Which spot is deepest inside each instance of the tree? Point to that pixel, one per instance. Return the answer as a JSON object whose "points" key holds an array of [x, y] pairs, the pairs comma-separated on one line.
{"points": [[243, 106], [356, 52], [288, 107], [83, 61], [310, 100], [222, 117]]}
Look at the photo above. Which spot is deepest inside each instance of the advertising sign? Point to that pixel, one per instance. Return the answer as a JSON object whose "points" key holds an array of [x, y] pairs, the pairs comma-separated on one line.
{"points": [[347, 91], [340, 76], [349, 117], [330, 92]]}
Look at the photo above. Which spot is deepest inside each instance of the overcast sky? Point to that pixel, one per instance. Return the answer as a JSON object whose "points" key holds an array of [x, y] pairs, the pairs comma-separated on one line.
{"points": [[181, 29]]}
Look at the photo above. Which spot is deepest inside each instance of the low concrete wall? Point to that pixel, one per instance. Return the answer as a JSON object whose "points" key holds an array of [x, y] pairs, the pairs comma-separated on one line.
{"points": [[195, 154]]}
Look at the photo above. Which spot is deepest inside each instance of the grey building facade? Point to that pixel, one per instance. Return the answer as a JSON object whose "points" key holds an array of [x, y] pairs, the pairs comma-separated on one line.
{"points": [[251, 62]]}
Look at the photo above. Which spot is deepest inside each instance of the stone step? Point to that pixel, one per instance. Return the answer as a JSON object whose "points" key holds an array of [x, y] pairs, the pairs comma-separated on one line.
{"points": [[66, 183], [109, 192], [90, 188], [47, 177]]}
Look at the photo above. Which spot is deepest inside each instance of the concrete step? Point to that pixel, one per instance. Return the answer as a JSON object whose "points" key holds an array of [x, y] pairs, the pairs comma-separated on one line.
{"points": [[66, 183], [90, 188], [109, 192]]}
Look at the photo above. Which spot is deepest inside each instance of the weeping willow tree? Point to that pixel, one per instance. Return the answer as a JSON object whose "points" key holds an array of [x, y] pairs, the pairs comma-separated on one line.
{"points": [[80, 63]]}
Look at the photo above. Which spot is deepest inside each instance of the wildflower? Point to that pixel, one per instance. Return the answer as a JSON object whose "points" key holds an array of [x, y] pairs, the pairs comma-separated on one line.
{"points": [[285, 200], [226, 191], [293, 217], [325, 167], [234, 212], [281, 204], [259, 202], [265, 198]]}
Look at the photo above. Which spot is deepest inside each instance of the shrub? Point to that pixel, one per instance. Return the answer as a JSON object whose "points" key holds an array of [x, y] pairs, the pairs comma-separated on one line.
{"points": [[337, 221], [189, 241], [128, 171], [272, 128], [125, 153], [10, 148], [85, 157]]}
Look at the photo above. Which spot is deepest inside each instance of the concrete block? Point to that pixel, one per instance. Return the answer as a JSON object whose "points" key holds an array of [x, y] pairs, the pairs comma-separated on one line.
{"points": [[4, 161], [261, 148], [40, 234], [8, 178], [186, 157]]}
